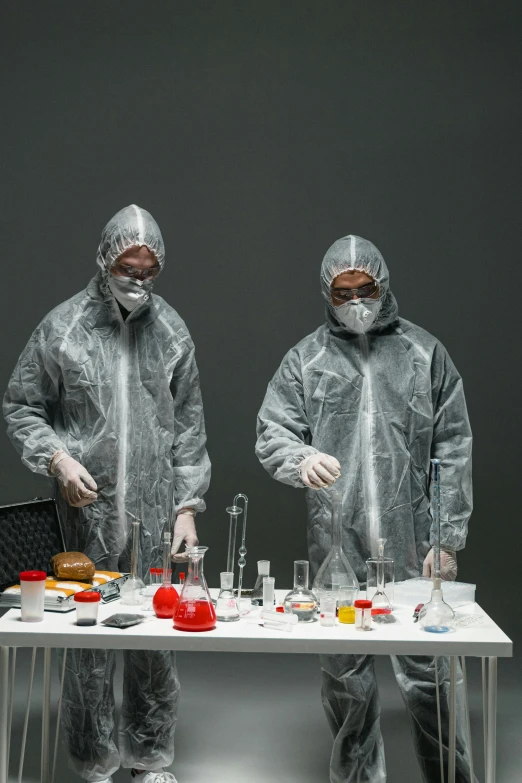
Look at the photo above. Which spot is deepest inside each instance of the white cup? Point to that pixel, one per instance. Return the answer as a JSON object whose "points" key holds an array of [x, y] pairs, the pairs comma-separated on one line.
{"points": [[32, 585]]}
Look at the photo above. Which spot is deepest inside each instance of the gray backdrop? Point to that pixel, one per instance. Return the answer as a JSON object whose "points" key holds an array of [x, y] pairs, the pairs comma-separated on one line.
{"points": [[256, 134]]}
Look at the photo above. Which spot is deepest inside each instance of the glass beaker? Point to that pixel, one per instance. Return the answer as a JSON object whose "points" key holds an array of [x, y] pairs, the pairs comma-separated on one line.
{"points": [[301, 600], [166, 597], [263, 569], [336, 573], [195, 611], [131, 590], [346, 600], [226, 606]]}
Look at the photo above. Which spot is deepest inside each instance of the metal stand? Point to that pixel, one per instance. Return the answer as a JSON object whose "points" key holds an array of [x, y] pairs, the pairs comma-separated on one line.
{"points": [[4, 689], [452, 720], [46, 715], [491, 740]]}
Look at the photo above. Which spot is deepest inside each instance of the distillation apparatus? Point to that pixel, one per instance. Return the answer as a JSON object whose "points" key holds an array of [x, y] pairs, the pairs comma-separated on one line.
{"points": [[234, 511]]}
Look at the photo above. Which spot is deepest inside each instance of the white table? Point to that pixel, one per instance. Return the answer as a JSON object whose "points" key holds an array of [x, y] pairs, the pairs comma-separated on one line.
{"points": [[405, 637]]}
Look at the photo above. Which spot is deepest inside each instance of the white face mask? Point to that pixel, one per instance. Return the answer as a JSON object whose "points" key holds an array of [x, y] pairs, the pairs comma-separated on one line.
{"points": [[130, 292], [358, 314]]}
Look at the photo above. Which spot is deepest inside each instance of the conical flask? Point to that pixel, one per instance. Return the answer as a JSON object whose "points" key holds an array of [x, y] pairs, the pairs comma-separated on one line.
{"points": [[336, 576], [166, 597], [195, 611], [131, 590]]}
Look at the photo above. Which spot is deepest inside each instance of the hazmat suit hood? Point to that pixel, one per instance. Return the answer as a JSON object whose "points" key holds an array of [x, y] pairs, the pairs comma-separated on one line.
{"points": [[132, 226], [353, 253]]}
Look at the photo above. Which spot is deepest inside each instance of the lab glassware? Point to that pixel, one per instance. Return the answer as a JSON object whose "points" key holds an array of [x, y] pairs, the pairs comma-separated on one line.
{"points": [[131, 590], [376, 572], [195, 611], [268, 592], [301, 600], [345, 601], [263, 569], [166, 597], [327, 610], [336, 573], [226, 606], [436, 616]]}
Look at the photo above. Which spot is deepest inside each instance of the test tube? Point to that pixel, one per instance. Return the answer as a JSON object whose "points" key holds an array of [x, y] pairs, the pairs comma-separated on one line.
{"points": [[268, 592]]}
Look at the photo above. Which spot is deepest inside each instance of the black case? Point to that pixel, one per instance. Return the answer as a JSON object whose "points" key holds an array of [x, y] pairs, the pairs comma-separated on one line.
{"points": [[30, 534]]}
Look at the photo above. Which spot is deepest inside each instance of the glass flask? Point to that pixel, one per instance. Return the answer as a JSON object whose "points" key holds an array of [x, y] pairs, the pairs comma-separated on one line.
{"points": [[195, 611], [131, 590], [436, 616], [301, 600], [166, 597], [379, 575], [336, 574], [226, 606], [263, 569]]}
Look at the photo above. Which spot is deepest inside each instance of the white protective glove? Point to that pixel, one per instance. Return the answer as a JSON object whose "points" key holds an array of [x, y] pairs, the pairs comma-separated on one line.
{"points": [[319, 471], [76, 485], [184, 530], [448, 564]]}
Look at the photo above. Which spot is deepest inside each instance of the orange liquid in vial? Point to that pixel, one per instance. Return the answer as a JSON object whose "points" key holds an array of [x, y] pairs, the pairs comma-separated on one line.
{"points": [[195, 616]]}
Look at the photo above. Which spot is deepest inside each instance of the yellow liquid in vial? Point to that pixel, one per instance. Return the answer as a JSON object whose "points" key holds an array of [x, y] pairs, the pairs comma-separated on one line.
{"points": [[347, 614]]}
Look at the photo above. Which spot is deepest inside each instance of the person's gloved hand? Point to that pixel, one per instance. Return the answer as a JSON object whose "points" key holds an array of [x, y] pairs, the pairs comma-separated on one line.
{"points": [[76, 485], [319, 471], [184, 530], [448, 564]]}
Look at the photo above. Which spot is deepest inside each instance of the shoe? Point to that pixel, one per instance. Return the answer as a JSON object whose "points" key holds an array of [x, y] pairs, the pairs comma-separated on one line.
{"points": [[159, 776]]}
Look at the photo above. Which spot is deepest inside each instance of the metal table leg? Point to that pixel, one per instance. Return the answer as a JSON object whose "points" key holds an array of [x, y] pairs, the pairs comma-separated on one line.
{"points": [[491, 757], [452, 749], [4, 690], [46, 715]]}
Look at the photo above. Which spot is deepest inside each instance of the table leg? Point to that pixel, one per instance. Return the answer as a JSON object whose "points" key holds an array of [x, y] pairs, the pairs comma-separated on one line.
{"points": [[452, 749], [491, 758], [46, 715], [4, 689]]}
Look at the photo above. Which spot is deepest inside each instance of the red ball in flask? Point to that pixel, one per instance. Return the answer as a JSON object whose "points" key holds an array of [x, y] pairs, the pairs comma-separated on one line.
{"points": [[165, 602]]}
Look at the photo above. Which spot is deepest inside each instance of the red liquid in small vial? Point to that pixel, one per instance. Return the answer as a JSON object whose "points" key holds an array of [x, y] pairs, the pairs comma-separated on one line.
{"points": [[195, 616], [165, 602]]}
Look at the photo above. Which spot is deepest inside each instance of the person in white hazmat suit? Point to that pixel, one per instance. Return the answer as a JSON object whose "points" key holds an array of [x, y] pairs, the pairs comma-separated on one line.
{"points": [[366, 401], [106, 394]]}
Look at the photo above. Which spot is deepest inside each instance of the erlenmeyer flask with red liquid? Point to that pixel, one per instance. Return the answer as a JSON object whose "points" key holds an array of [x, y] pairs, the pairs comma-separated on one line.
{"points": [[166, 597], [195, 611]]}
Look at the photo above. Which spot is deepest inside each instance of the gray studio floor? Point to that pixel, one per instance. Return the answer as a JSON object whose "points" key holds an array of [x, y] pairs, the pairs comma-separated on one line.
{"points": [[259, 718]]}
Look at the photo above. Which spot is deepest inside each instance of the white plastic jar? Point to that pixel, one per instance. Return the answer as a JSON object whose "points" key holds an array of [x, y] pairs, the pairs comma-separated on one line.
{"points": [[87, 604], [32, 584]]}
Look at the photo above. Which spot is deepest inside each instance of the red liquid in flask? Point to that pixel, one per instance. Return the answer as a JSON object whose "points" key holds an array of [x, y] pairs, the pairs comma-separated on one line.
{"points": [[165, 601], [195, 616]]}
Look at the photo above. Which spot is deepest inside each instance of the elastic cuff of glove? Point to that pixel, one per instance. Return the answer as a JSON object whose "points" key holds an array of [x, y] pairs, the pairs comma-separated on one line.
{"points": [[57, 458], [186, 511]]}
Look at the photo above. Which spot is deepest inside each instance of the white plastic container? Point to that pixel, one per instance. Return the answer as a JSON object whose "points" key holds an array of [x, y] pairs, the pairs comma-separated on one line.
{"points": [[32, 585], [363, 615], [87, 604]]}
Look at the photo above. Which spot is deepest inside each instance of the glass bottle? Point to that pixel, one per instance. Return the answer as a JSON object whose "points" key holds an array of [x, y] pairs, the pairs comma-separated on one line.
{"points": [[263, 569], [166, 597], [301, 601], [381, 604], [131, 590], [195, 611], [336, 576], [226, 606]]}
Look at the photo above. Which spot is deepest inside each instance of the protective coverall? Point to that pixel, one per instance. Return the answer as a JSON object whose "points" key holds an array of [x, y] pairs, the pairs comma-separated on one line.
{"points": [[383, 403], [122, 397]]}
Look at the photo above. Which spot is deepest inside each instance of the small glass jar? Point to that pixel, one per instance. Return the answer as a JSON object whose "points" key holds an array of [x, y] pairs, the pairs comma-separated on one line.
{"points": [[327, 610], [87, 603], [345, 600], [32, 586], [363, 615]]}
